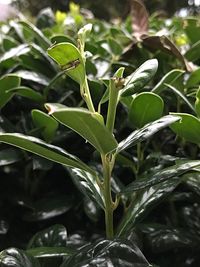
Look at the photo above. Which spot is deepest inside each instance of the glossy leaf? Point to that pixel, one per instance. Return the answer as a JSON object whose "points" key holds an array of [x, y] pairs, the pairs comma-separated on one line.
{"points": [[7, 82], [43, 149], [146, 132], [9, 156], [50, 252], [14, 257], [88, 184], [43, 41], [69, 59], [54, 236], [46, 123], [87, 124], [162, 175], [33, 77], [169, 78], [145, 107], [108, 253], [140, 77], [144, 201], [197, 103], [49, 208], [192, 180], [188, 127], [15, 52], [27, 92]]}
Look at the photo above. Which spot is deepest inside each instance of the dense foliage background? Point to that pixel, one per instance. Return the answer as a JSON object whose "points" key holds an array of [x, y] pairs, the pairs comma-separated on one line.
{"points": [[40, 199]]}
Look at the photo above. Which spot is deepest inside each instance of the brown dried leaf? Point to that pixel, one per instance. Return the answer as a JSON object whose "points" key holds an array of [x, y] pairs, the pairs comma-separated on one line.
{"points": [[140, 19]]}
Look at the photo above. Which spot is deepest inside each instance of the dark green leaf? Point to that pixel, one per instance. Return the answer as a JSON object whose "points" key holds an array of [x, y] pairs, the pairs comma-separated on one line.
{"points": [[7, 82], [69, 59], [87, 124], [15, 52], [115, 47], [107, 253], [197, 103], [50, 252], [169, 78], [145, 107], [194, 79], [9, 156], [140, 77], [43, 149], [47, 124], [27, 92], [193, 53], [188, 127], [144, 201], [162, 175], [89, 184], [146, 132], [14, 257], [192, 180], [54, 236]]}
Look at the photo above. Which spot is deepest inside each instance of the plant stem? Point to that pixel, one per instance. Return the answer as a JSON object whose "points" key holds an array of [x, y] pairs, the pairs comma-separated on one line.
{"points": [[85, 93], [109, 205], [112, 106]]}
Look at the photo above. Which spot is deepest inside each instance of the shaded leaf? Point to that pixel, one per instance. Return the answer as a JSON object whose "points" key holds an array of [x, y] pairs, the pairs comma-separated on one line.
{"points": [[169, 78], [194, 79], [140, 77], [27, 92], [193, 53], [147, 131], [115, 47], [192, 180], [162, 175], [145, 200], [39, 147], [188, 127], [145, 107], [197, 103], [47, 124], [7, 82], [50, 252], [108, 253], [14, 257], [87, 124], [9, 156], [69, 59], [54, 236]]}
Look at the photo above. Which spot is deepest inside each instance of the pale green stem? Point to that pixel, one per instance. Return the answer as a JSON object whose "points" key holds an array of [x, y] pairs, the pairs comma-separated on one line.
{"points": [[109, 205], [85, 93], [112, 106]]}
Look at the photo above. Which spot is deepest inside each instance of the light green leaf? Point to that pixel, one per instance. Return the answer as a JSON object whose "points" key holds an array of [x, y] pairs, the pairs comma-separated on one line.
{"points": [[69, 58], [147, 131], [39, 147], [188, 127], [87, 124], [47, 124], [7, 82], [145, 107], [140, 77]]}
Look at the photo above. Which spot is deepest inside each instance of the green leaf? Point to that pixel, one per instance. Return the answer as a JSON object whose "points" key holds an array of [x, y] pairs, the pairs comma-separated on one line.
{"points": [[193, 53], [27, 92], [181, 95], [115, 47], [192, 180], [7, 82], [188, 127], [69, 58], [146, 132], [143, 202], [169, 78], [145, 107], [47, 124], [43, 41], [194, 79], [115, 252], [50, 252], [9, 156], [87, 124], [140, 77], [33, 77], [14, 257], [162, 175], [39, 147], [54, 236], [15, 52], [88, 184], [197, 103]]}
